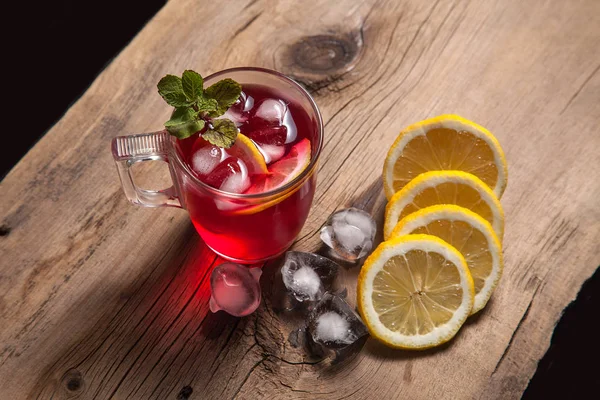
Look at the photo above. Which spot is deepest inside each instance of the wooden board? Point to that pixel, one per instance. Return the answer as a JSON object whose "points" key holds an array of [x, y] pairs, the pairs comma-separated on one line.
{"points": [[100, 299]]}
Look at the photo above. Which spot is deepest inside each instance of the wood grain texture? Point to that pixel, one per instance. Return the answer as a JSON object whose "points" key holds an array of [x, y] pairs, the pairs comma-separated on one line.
{"points": [[100, 299]]}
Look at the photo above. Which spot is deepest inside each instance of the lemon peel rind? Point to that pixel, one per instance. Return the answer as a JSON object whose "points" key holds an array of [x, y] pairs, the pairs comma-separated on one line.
{"points": [[375, 262], [449, 121], [430, 179]]}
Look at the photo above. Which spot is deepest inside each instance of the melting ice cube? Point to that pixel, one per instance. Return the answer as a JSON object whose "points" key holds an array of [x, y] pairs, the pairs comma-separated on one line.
{"points": [[238, 180], [308, 276], [272, 135], [206, 157], [271, 153], [230, 176], [238, 112], [271, 110], [237, 117], [349, 233], [334, 324], [235, 289], [270, 141], [277, 112]]}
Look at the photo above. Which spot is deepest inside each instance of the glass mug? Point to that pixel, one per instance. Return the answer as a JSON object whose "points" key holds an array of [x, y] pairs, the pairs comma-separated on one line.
{"points": [[245, 228]]}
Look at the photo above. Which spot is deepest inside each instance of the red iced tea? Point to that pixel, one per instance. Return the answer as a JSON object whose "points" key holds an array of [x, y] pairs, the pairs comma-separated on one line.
{"points": [[257, 194]]}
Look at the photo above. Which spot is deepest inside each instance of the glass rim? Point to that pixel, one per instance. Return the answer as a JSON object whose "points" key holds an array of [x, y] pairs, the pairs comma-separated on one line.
{"points": [[291, 184]]}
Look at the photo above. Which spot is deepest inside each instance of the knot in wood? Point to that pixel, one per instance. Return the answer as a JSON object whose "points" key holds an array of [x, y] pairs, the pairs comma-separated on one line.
{"points": [[72, 381], [324, 53], [185, 393], [321, 61], [4, 230]]}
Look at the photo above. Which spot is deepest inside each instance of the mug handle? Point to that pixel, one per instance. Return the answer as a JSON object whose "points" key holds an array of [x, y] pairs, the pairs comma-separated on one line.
{"points": [[128, 150]]}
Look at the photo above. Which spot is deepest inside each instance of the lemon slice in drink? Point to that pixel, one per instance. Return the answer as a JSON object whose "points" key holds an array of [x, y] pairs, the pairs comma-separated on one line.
{"points": [[279, 174], [470, 234], [414, 292], [445, 187], [447, 142], [245, 149], [284, 170]]}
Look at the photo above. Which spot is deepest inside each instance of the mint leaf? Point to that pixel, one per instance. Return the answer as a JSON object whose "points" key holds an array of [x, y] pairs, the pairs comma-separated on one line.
{"points": [[222, 133], [171, 89], [186, 129], [181, 115], [205, 104], [192, 84], [183, 123], [225, 92]]}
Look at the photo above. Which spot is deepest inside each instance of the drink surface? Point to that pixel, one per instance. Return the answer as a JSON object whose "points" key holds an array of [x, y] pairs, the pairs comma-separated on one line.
{"points": [[276, 142], [273, 125]]}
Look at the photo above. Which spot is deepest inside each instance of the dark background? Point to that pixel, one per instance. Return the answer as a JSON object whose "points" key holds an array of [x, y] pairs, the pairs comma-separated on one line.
{"points": [[68, 43], [56, 52]]}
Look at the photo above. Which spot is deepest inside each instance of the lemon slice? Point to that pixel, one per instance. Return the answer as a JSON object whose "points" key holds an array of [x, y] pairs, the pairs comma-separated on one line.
{"points": [[447, 142], [245, 149], [445, 187], [285, 170], [470, 234], [414, 292], [279, 174]]}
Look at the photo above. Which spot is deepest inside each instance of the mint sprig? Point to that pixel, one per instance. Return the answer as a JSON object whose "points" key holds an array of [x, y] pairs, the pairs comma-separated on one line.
{"points": [[196, 108], [225, 92], [221, 132]]}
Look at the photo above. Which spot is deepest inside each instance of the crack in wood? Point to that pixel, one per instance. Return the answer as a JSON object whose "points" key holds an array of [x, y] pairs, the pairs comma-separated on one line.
{"points": [[246, 25], [184, 346], [313, 87], [222, 348], [292, 388], [580, 89], [252, 2], [259, 362], [516, 330], [350, 394], [160, 358], [266, 353], [412, 42]]}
